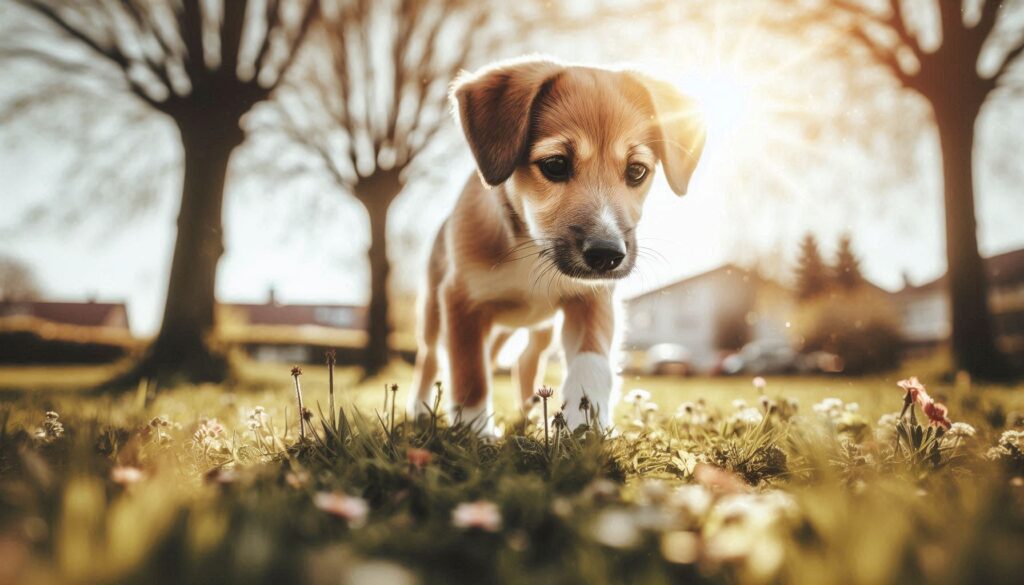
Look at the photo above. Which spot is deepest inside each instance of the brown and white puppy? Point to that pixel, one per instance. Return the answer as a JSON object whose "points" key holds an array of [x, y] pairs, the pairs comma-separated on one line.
{"points": [[566, 154]]}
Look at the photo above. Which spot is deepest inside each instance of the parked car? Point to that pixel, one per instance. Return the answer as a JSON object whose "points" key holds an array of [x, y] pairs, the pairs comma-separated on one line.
{"points": [[821, 362], [669, 359], [762, 357]]}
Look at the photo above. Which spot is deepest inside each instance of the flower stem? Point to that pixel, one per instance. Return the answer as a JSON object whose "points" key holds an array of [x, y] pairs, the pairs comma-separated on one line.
{"points": [[330, 387], [547, 441], [394, 396], [296, 372]]}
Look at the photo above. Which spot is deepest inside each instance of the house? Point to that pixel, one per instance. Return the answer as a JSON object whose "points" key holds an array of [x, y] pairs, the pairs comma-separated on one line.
{"points": [[301, 333], [81, 314], [925, 310], [64, 332], [710, 314]]}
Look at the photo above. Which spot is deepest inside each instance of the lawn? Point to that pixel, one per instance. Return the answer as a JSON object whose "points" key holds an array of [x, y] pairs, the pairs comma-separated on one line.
{"points": [[805, 481]]}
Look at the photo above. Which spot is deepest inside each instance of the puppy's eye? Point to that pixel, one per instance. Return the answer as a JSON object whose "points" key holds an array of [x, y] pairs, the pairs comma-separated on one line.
{"points": [[636, 173], [556, 168]]}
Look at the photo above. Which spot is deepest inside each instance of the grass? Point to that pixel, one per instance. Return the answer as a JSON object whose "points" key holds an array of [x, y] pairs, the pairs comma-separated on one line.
{"points": [[691, 487]]}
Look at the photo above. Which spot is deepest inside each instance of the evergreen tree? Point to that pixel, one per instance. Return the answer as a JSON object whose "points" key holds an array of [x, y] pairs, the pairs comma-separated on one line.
{"points": [[846, 272], [811, 272]]}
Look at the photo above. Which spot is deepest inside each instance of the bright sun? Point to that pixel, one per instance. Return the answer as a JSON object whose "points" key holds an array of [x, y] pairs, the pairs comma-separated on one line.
{"points": [[725, 99]]}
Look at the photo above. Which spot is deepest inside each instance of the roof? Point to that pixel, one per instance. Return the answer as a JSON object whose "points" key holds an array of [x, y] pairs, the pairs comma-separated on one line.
{"points": [[277, 324], [1002, 269], [727, 268], [333, 316], [86, 314], [1005, 268]]}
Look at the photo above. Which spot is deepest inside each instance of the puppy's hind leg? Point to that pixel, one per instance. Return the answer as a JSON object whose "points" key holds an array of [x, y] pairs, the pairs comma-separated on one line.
{"points": [[420, 395], [498, 341], [529, 370]]}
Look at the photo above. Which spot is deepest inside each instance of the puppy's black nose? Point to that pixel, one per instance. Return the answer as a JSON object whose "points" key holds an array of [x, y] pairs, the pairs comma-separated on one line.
{"points": [[603, 255]]}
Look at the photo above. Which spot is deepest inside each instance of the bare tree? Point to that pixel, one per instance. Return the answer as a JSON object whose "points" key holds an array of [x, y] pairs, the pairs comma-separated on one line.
{"points": [[956, 55], [17, 283], [204, 65]]}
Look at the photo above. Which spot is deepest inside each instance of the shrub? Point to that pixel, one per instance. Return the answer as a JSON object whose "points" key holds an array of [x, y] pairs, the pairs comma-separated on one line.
{"points": [[859, 326]]}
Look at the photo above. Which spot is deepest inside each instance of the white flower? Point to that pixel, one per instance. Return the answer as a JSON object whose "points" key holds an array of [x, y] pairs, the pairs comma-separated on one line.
{"points": [[210, 434], [653, 491], [1012, 438], [746, 416], [481, 515], [376, 572], [616, 529], [638, 395], [961, 430], [690, 413], [51, 429], [1011, 443], [349, 508], [886, 427], [257, 418], [829, 407], [680, 547], [739, 404], [759, 383], [126, 475], [692, 499], [742, 530]]}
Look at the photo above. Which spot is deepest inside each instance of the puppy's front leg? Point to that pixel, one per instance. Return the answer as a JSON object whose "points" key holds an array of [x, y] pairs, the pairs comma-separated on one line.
{"points": [[586, 339], [468, 329]]}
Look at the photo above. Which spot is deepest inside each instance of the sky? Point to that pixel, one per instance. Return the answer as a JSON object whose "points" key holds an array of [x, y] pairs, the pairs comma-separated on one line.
{"points": [[759, 188]]}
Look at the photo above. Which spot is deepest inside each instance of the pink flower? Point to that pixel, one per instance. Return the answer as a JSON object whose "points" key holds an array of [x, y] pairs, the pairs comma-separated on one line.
{"points": [[126, 475], [208, 430], [482, 515], [349, 508], [936, 413], [913, 387], [718, 480], [419, 457], [545, 392]]}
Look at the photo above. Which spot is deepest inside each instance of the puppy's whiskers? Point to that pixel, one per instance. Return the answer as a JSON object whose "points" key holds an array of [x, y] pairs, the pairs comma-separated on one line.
{"points": [[514, 254]]}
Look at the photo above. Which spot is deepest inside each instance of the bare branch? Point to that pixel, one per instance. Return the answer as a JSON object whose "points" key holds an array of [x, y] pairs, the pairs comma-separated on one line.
{"points": [[231, 25], [311, 14], [1011, 57], [883, 55], [110, 52]]}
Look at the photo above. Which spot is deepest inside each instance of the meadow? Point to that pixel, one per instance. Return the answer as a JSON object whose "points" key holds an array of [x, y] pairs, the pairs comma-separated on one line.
{"points": [[717, 480]]}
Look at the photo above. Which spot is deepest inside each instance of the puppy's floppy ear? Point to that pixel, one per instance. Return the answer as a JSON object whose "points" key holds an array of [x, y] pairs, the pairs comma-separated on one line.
{"points": [[494, 107], [682, 131]]}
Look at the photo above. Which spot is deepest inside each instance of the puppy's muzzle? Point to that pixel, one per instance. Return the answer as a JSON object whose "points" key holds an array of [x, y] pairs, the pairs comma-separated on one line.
{"points": [[603, 255]]}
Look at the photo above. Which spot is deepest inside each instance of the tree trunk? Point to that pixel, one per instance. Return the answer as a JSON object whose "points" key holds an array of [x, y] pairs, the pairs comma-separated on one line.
{"points": [[376, 194], [973, 344], [181, 349]]}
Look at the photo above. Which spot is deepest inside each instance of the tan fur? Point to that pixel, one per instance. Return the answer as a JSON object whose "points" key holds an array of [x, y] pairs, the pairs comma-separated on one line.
{"points": [[512, 256]]}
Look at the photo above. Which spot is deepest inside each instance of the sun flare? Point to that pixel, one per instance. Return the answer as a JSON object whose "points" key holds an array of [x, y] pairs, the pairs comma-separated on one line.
{"points": [[725, 98]]}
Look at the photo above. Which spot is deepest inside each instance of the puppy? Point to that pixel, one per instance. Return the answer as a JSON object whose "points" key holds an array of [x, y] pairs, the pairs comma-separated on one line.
{"points": [[566, 155]]}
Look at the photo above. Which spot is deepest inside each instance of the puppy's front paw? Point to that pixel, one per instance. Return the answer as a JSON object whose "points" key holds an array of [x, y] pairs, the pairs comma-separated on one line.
{"points": [[416, 407], [588, 391], [480, 418]]}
